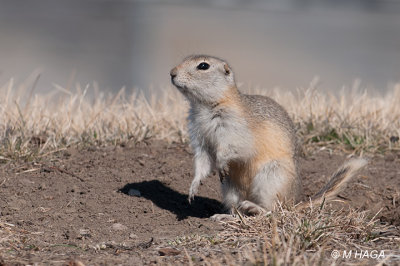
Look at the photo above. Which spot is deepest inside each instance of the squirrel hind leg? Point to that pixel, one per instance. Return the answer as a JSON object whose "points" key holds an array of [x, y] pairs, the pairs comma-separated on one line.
{"points": [[273, 180]]}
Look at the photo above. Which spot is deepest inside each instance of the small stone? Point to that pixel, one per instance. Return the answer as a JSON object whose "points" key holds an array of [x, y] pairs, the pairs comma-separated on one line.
{"points": [[119, 227], [133, 236], [75, 263], [26, 181], [168, 252], [134, 192]]}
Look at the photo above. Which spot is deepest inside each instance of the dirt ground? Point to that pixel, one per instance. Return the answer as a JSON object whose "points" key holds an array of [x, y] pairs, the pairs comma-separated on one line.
{"points": [[83, 204]]}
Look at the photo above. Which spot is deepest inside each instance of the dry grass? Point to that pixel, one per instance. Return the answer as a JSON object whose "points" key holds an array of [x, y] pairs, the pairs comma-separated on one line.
{"points": [[292, 237], [33, 125], [12, 239]]}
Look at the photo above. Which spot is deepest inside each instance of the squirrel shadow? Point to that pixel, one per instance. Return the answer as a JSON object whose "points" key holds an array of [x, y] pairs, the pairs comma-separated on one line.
{"points": [[174, 201]]}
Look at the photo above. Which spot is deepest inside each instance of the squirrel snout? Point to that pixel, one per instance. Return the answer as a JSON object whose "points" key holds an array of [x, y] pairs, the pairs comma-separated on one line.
{"points": [[173, 72]]}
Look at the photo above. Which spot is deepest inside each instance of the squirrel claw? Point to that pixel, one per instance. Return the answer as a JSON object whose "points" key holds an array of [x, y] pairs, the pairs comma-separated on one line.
{"points": [[193, 190], [191, 196], [223, 173]]}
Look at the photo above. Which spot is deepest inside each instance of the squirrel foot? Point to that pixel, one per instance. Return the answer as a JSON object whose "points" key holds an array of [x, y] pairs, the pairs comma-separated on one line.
{"points": [[250, 208], [222, 217]]}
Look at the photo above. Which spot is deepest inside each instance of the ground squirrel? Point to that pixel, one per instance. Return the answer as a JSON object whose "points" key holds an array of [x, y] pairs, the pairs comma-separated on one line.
{"points": [[249, 139]]}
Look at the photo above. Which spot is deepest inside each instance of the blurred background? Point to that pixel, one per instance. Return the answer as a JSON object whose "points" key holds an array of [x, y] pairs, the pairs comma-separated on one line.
{"points": [[277, 43]]}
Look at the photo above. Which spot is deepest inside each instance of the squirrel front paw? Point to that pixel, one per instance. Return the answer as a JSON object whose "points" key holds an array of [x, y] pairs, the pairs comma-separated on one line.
{"points": [[223, 172], [194, 187]]}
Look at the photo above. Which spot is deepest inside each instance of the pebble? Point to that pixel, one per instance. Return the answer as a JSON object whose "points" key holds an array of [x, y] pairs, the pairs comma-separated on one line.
{"points": [[119, 227]]}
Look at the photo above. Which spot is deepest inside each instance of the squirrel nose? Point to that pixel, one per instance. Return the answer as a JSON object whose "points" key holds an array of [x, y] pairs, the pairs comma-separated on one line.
{"points": [[173, 73]]}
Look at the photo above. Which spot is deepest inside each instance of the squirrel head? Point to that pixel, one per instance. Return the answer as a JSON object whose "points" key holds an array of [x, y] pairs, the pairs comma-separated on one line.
{"points": [[203, 79]]}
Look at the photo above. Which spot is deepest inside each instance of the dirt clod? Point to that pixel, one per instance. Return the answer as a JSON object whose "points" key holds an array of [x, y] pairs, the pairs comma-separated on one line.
{"points": [[168, 252]]}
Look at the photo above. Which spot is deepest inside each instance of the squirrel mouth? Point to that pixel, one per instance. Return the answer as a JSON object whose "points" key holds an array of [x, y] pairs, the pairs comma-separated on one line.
{"points": [[183, 89], [173, 81], [180, 88]]}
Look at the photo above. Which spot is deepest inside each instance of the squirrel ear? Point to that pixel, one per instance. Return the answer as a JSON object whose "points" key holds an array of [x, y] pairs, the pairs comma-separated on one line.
{"points": [[227, 69]]}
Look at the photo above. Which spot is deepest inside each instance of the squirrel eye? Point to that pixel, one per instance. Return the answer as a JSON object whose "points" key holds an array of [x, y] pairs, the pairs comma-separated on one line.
{"points": [[203, 66]]}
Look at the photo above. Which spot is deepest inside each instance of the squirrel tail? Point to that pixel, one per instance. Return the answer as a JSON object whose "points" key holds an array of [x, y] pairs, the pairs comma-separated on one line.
{"points": [[337, 182]]}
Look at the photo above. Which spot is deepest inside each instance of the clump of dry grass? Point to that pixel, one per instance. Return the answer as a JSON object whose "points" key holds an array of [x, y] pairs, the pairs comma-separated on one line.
{"points": [[12, 240], [33, 125], [291, 237]]}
